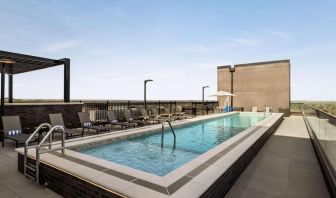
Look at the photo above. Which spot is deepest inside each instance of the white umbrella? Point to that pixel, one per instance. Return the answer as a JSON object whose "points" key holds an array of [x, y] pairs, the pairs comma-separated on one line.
{"points": [[224, 93]]}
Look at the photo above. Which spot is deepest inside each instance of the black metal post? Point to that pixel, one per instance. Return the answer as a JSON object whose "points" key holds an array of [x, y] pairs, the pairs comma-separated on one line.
{"points": [[145, 83], [145, 102], [203, 98], [159, 107], [231, 71], [2, 89], [66, 80], [10, 88]]}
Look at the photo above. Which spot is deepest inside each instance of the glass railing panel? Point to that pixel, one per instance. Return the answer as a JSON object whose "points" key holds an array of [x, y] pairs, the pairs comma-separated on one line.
{"points": [[330, 148], [323, 125]]}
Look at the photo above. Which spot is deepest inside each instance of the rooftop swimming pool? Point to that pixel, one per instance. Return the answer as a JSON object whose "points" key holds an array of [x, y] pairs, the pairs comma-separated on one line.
{"points": [[145, 153]]}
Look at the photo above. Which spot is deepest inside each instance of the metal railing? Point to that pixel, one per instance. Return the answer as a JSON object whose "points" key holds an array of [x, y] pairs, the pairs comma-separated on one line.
{"points": [[97, 110], [322, 130], [171, 128], [39, 149], [33, 135]]}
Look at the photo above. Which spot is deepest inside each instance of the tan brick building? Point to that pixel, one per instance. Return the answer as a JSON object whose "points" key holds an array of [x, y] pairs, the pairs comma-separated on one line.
{"points": [[257, 84]]}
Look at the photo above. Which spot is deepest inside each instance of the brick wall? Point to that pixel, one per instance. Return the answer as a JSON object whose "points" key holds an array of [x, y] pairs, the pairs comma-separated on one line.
{"points": [[257, 84], [32, 115]]}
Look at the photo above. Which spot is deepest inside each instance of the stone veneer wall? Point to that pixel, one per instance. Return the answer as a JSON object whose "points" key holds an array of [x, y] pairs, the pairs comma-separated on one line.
{"points": [[223, 184], [257, 84], [65, 184], [32, 115]]}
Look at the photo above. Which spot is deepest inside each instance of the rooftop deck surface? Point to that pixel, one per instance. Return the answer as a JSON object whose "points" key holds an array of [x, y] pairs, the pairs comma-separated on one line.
{"points": [[285, 167]]}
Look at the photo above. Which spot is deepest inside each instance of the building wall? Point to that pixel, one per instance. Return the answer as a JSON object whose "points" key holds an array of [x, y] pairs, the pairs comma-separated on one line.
{"points": [[258, 84], [223, 82]]}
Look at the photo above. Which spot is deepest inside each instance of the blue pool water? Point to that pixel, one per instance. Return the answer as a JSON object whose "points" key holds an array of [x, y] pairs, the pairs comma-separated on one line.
{"points": [[145, 152]]}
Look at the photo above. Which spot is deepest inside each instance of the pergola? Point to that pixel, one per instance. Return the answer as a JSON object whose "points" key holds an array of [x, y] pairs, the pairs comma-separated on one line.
{"points": [[15, 63]]}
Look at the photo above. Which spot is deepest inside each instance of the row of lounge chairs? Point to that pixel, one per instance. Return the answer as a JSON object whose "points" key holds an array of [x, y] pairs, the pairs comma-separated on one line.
{"points": [[267, 109], [12, 128]]}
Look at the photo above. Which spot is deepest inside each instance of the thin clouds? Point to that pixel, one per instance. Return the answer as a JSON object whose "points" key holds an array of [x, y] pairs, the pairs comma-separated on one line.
{"points": [[279, 34], [195, 48], [243, 41], [61, 46]]}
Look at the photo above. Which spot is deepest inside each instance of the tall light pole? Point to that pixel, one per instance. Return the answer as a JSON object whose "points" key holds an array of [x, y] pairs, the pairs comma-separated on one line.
{"points": [[145, 83], [204, 87]]}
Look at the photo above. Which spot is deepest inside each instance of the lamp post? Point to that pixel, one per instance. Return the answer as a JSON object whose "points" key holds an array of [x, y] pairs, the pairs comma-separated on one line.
{"points": [[145, 83], [204, 87]]}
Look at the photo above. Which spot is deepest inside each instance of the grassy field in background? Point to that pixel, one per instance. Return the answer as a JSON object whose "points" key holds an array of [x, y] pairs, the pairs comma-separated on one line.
{"points": [[327, 106]]}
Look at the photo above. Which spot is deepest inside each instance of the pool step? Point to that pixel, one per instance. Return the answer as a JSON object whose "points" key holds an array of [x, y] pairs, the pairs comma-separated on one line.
{"points": [[30, 171]]}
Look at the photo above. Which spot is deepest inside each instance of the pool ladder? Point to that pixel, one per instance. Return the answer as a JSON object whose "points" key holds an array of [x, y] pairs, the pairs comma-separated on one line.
{"points": [[31, 170], [162, 133]]}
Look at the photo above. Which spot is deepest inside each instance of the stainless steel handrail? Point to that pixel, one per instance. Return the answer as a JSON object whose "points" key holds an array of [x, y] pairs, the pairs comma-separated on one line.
{"points": [[162, 133], [49, 135], [27, 143]]}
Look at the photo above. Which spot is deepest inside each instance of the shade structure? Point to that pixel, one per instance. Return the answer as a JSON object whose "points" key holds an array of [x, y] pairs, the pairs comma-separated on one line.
{"points": [[224, 94], [14, 63]]}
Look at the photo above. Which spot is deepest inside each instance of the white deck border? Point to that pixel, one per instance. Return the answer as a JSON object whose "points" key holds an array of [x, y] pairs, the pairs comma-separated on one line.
{"points": [[195, 187]]}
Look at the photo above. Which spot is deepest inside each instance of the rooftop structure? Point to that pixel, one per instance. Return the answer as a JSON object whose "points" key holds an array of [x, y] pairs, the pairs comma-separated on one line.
{"points": [[14, 63]]}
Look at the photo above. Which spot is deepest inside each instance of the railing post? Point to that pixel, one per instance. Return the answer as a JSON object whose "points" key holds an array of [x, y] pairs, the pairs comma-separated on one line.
{"points": [[128, 104], [207, 107], [170, 106], [159, 107]]}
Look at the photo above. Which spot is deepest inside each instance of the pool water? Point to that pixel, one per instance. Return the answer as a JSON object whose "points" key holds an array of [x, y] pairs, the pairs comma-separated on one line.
{"points": [[145, 152]]}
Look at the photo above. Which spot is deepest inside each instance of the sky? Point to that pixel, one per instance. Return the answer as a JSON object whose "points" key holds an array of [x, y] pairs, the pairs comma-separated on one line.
{"points": [[115, 44]]}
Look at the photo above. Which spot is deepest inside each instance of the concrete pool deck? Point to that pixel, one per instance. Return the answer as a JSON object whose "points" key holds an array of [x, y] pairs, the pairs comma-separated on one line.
{"points": [[289, 151], [286, 166]]}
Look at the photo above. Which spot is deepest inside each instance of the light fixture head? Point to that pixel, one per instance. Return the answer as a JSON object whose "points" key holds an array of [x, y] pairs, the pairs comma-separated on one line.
{"points": [[206, 87], [6, 61], [148, 80]]}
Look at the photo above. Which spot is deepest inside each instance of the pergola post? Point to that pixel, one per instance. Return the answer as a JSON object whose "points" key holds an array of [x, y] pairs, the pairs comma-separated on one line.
{"points": [[2, 89], [10, 88], [66, 80]]}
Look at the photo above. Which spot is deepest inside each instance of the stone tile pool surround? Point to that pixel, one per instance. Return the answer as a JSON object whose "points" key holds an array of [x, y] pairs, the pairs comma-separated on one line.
{"points": [[190, 180]]}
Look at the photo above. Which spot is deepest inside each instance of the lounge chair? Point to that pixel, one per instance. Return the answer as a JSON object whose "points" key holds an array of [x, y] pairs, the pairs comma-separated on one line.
{"points": [[254, 109], [12, 130], [57, 119], [156, 114], [148, 118], [179, 114], [267, 109], [87, 124], [168, 114], [112, 119], [129, 118]]}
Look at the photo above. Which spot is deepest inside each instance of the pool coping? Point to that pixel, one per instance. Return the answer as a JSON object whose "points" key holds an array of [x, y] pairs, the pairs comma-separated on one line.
{"points": [[196, 175]]}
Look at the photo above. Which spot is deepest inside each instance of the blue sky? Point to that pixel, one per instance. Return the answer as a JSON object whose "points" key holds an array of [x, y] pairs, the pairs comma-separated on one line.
{"points": [[115, 44]]}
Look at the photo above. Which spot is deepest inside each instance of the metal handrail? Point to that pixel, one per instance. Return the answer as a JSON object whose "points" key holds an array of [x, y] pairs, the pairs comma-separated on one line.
{"points": [[316, 109], [49, 135], [27, 143], [162, 133]]}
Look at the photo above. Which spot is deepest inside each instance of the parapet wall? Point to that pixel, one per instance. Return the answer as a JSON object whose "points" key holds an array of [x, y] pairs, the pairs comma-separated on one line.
{"points": [[34, 114]]}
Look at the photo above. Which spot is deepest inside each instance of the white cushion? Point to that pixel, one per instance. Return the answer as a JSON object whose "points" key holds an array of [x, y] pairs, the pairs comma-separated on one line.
{"points": [[87, 124], [14, 132]]}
